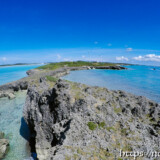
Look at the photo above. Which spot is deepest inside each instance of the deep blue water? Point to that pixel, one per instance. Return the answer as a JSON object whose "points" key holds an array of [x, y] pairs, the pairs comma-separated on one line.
{"points": [[139, 80], [12, 73]]}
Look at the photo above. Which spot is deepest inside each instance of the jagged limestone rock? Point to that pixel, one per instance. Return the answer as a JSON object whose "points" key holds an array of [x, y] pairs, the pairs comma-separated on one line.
{"points": [[75, 121]]}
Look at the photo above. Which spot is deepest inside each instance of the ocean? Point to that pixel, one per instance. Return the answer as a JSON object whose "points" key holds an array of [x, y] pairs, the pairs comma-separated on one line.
{"points": [[12, 73], [139, 80]]}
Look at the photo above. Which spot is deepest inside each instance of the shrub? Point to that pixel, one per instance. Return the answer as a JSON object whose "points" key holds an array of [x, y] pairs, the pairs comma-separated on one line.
{"points": [[102, 125], [92, 126]]}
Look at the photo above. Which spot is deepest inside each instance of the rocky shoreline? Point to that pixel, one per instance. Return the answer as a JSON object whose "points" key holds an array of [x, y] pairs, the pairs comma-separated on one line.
{"points": [[72, 121], [35, 77], [7, 90]]}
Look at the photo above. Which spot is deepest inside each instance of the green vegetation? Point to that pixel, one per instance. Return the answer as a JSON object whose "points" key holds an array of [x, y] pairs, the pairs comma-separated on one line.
{"points": [[90, 153], [111, 128], [92, 126], [67, 157], [124, 131], [102, 125], [53, 66], [117, 110], [127, 147], [51, 79]]}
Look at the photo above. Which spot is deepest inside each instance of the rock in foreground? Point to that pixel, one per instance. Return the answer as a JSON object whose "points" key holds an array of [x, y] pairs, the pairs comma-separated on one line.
{"points": [[4, 145], [74, 121]]}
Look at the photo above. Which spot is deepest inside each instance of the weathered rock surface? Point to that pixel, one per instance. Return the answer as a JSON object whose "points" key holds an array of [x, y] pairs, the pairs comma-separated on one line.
{"points": [[74, 121], [21, 84], [8, 93], [4, 145]]}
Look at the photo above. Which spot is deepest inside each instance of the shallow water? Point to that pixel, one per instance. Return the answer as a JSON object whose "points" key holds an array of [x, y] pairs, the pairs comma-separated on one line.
{"points": [[11, 121], [12, 124], [12, 73], [139, 80]]}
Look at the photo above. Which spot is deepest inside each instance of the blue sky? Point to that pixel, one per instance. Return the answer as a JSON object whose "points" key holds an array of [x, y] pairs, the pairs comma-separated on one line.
{"points": [[58, 30]]}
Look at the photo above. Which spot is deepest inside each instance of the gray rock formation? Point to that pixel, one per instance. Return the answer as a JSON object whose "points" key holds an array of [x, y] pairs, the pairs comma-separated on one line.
{"points": [[4, 145], [72, 121], [7, 93], [21, 84]]}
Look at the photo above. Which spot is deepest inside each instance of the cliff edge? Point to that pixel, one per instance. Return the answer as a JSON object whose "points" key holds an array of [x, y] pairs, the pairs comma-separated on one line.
{"points": [[72, 121]]}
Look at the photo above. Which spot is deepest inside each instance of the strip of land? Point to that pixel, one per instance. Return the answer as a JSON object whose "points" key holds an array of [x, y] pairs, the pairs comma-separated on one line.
{"points": [[52, 71]]}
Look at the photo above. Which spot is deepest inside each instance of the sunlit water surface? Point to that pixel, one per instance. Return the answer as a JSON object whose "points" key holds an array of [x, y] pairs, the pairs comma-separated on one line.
{"points": [[139, 80]]}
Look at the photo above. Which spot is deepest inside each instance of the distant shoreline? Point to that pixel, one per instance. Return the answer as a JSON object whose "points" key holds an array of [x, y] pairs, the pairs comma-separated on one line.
{"points": [[22, 64]]}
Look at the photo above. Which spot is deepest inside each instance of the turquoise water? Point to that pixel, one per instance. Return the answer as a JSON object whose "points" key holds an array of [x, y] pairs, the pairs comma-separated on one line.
{"points": [[12, 73], [12, 125], [139, 80], [11, 113]]}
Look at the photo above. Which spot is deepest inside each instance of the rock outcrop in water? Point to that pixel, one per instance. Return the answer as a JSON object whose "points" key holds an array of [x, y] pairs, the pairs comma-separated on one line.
{"points": [[72, 121], [4, 145], [7, 90]]}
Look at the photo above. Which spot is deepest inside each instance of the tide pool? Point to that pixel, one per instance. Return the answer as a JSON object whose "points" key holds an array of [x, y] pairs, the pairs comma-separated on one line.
{"points": [[139, 80], [12, 124], [11, 113], [12, 73]]}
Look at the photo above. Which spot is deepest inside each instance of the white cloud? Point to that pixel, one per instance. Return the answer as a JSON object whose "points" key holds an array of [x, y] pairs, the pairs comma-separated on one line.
{"points": [[4, 59], [109, 44], [122, 58], [148, 57], [129, 49]]}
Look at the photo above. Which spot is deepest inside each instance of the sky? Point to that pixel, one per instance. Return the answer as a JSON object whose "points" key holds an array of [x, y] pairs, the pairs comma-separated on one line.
{"points": [[67, 30]]}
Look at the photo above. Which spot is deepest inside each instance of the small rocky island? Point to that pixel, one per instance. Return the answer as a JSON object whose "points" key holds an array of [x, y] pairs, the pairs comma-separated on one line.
{"points": [[72, 121]]}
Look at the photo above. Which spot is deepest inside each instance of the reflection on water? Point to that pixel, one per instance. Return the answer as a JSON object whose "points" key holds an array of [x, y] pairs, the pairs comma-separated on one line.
{"points": [[14, 126]]}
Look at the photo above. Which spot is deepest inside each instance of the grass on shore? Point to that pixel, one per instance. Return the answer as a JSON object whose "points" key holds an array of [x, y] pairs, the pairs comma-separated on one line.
{"points": [[51, 79], [53, 66]]}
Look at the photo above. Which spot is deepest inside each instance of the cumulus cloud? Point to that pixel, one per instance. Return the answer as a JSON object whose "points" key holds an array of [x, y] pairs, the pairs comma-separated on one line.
{"points": [[148, 57], [122, 58], [129, 49]]}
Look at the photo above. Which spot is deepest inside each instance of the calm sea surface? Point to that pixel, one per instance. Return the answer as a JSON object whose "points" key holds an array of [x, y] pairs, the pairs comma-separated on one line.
{"points": [[12, 73], [139, 80]]}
